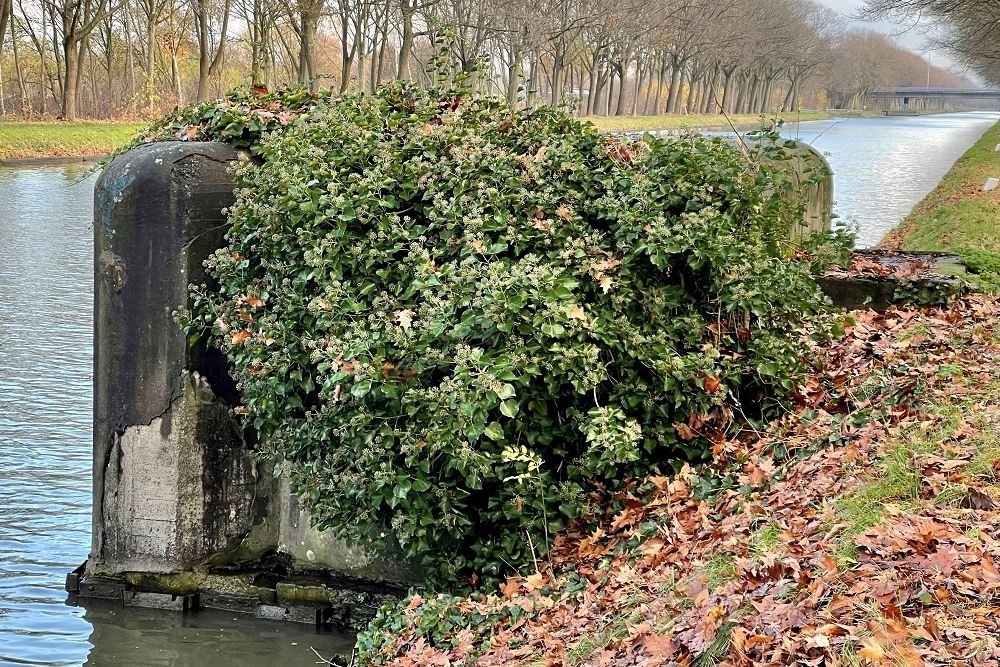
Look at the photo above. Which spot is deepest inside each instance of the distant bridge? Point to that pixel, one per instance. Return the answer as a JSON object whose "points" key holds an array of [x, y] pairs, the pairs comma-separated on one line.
{"points": [[906, 93], [920, 99]]}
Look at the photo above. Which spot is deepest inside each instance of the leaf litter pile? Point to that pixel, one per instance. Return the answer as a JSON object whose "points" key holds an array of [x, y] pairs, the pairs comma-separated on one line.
{"points": [[904, 266], [862, 529]]}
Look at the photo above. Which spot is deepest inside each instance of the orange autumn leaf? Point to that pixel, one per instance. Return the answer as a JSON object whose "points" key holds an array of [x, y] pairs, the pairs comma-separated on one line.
{"points": [[659, 646], [871, 650], [534, 581], [241, 337], [684, 432], [254, 301], [510, 587]]}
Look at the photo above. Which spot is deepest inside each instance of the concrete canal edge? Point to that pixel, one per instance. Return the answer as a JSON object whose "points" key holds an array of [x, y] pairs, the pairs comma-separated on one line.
{"points": [[183, 515]]}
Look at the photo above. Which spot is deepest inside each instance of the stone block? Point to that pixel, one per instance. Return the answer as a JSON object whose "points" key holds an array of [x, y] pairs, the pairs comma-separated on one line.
{"points": [[161, 601]]}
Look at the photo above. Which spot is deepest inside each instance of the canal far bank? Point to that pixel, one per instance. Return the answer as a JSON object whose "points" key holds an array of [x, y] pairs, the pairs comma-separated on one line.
{"points": [[37, 141], [959, 215], [32, 141], [700, 121]]}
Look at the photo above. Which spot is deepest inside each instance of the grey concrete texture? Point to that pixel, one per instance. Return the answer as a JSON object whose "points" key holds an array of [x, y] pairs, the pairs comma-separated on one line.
{"points": [[163, 431], [177, 488]]}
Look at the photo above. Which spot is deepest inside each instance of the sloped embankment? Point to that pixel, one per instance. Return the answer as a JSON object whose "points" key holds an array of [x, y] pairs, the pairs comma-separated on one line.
{"points": [[958, 216], [860, 530]]}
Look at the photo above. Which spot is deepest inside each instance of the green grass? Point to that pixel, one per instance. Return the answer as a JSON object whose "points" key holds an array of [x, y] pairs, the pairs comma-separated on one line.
{"points": [[959, 217], [694, 122], [719, 571], [897, 478], [616, 628], [20, 141], [896, 481]]}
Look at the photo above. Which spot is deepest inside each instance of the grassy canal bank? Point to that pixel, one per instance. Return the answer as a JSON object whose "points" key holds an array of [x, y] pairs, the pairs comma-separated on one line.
{"points": [[958, 216], [697, 121], [26, 141], [858, 531]]}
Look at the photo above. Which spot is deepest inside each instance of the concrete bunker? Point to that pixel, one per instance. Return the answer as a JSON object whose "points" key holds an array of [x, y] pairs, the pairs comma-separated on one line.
{"points": [[184, 516]]}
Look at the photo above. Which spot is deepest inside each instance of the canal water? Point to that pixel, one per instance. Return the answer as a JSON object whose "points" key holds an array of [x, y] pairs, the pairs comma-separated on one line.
{"points": [[46, 298], [883, 167]]}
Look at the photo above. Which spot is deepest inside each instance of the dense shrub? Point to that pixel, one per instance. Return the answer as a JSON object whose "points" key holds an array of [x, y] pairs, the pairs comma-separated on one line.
{"points": [[451, 318], [240, 119]]}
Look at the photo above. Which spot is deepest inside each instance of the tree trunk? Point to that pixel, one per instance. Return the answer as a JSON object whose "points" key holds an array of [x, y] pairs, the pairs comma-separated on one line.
{"points": [[681, 82], [740, 95], [150, 67], [673, 93], [637, 87], [754, 94], [660, 76], [22, 92], [513, 78], [383, 45], [532, 82], [611, 90], [71, 80], [557, 73], [6, 16], [406, 41], [347, 57], [307, 36], [591, 86], [693, 96], [208, 65], [710, 104]]}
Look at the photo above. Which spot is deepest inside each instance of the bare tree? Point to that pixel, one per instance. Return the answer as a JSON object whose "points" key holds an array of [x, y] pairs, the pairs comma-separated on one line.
{"points": [[211, 40]]}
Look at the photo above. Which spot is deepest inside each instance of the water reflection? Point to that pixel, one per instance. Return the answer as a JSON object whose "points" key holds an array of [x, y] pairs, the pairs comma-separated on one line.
{"points": [[883, 167], [147, 637]]}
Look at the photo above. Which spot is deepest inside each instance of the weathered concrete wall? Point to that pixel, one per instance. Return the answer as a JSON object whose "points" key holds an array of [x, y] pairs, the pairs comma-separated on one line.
{"points": [[173, 481], [177, 491], [813, 178]]}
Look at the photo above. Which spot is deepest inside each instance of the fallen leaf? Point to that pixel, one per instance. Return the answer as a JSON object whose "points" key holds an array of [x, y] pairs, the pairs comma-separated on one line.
{"points": [[404, 318], [871, 650]]}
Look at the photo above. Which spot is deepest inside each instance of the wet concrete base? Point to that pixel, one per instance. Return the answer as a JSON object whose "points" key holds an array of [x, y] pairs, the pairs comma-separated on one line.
{"points": [[271, 589]]}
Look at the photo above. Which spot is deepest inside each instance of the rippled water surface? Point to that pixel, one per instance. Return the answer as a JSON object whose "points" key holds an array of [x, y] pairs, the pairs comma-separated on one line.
{"points": [[883, 167], [46, 293]]}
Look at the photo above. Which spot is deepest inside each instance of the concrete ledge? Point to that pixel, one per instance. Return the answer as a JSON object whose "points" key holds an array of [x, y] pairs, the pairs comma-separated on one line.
{"points": [[322, 599], [937, 285]]}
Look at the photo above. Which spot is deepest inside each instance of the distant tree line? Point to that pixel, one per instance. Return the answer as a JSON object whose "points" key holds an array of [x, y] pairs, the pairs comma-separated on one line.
{"points": [[133, 58]]}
